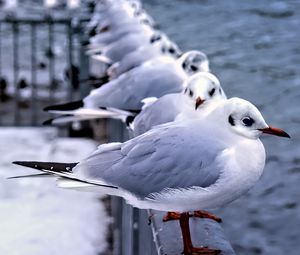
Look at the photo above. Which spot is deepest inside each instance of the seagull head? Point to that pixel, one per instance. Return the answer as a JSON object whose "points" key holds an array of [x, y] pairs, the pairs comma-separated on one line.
{"points": [[193, 62], [165, 45], [144, 18], [203, 88], [245, 119]]}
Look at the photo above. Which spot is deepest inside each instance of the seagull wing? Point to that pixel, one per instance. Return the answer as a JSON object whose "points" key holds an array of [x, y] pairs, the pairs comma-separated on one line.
{"points": [[129, 89], [171, 156]]}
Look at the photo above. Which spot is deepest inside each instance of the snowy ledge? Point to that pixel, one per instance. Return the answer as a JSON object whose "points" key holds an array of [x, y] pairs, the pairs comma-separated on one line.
{"points": [[35, 216]]}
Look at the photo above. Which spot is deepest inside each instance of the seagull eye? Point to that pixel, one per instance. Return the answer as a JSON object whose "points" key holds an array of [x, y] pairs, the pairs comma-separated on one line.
{"points": [[191, 93], [247, 121], [171, 51], [212, 92], [194, 68]]}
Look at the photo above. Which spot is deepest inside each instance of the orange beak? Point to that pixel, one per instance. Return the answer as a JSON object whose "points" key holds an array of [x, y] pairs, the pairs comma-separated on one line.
{"points": [[274, 131], [199, 101]]}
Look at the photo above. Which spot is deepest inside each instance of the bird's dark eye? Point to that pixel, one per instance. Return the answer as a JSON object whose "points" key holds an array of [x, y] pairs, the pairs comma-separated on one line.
{"points": [[194, 68], [212, 92], [247, 121], [171, 51], [155, 38], [191, 93]]}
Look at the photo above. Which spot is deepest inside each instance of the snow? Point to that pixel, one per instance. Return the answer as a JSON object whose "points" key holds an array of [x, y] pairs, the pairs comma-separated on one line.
{"points": [[36, 217]]}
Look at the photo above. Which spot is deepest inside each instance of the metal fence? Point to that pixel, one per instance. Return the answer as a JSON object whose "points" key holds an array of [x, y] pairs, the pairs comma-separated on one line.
{"points": [[34, 71]]}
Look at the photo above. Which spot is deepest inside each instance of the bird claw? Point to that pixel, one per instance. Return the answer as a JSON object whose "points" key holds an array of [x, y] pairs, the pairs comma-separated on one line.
{"points": [[207, 215], [171, 216], [202, 251], [198, 214]]}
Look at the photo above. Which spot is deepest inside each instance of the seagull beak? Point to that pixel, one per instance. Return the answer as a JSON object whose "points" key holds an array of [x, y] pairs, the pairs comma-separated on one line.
{"points": [[199, 101], [274, 131]]}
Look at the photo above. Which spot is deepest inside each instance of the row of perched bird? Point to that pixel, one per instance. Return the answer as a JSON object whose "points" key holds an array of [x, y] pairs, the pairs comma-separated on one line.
{"points": [[192, 148]]}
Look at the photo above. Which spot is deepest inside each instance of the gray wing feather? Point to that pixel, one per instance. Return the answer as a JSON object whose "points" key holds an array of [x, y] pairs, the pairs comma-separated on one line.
{"points": [[168, 156], [153, 115], [127, 91]]}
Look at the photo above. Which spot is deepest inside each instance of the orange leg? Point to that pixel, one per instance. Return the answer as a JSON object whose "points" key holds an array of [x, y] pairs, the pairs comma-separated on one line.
{"points": [[188, 248], [171, 216], [198, 214], [207, 215]]}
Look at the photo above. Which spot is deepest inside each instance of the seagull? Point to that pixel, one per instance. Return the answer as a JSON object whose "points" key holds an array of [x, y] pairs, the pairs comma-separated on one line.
{"points": [[159, 45], [113, 34], [202, 89], [152, 79], [179, 166], [116, 51]]}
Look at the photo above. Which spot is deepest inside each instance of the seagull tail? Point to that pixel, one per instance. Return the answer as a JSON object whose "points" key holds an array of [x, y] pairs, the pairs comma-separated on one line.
{"points": [[66, 177], [102, 58], [30, 176], [86, 114], [65, 107], [67, 118]]}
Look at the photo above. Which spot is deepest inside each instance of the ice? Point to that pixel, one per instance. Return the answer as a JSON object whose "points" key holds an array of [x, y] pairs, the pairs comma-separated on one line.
{"points": [[36, 217]]}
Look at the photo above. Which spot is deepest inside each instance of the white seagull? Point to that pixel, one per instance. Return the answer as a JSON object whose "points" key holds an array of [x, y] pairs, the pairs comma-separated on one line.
{"points": [[159, 45], [180, 166], [152, 79], [202, 94]]}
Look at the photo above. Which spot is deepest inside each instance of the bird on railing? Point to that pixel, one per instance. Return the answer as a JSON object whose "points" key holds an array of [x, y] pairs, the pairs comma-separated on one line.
{"points": [[152, 79], [178, 167], [201, 95], [202, 89]]}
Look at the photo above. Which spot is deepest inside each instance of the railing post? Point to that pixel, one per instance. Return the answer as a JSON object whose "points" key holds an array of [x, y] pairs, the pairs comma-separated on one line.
{"points": [[70, 56], [1, 50], [127, 229], [84, 65], [15, 28], [33, 74], [51, 59]]}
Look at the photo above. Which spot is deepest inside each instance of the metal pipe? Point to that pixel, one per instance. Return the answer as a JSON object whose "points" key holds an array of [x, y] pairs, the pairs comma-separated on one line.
{"points": [[0, 49], [15, 28], [70, 57], [33, 75], [51, 60]]}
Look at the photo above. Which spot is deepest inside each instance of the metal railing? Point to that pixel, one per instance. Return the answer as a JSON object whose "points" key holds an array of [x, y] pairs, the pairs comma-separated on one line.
{"points": [[20, 69]]}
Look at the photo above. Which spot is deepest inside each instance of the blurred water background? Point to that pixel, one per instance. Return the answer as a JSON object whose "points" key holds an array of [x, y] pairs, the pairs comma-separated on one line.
{"points": [[254, 49]]}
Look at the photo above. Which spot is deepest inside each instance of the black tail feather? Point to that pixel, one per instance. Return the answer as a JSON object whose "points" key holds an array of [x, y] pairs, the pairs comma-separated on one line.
{"points": [[134, 112], [57, 168], [51, 166], [129, 120], [65, 107], [30, 176]]}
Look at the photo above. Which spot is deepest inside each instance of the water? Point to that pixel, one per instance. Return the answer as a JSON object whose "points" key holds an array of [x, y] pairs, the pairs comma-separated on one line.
{"points": [[254, 49]]}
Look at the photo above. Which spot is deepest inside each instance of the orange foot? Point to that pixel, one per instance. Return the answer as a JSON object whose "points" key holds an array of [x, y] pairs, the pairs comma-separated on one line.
{"points": [[207, 215], [171, 216], [201, 251], [198, 214]]}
